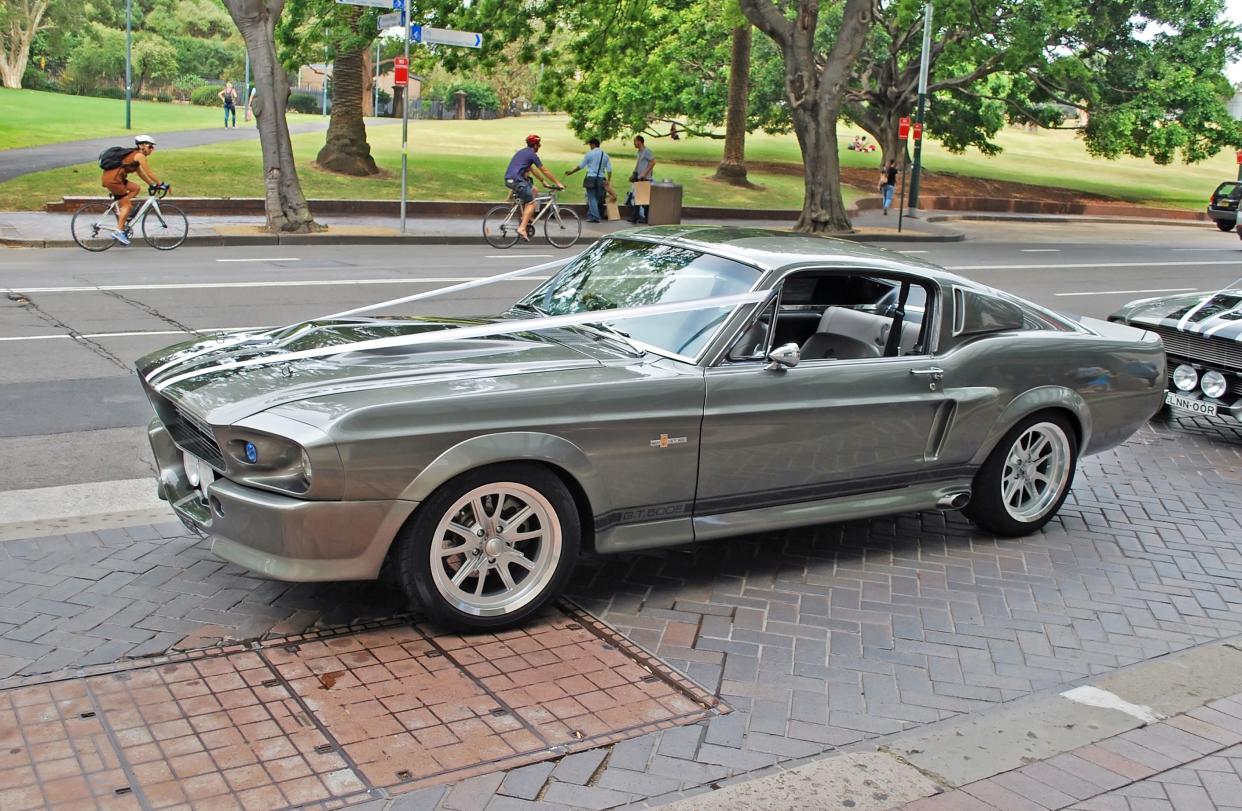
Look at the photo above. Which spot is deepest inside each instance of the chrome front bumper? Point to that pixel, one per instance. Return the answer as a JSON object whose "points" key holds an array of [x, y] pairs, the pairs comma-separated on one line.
{"points": [[280, 536]]}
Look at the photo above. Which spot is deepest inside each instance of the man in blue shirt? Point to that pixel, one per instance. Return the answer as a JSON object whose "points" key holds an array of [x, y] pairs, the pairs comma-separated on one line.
{"points": [[517, 178], [598, 174]]}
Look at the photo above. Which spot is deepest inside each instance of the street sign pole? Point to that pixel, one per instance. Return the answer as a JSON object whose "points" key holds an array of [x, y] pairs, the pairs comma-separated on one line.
{"points": [[918, 142], [405, 127], [375, 84], [246, 90], [903, 133], [129, 40]]}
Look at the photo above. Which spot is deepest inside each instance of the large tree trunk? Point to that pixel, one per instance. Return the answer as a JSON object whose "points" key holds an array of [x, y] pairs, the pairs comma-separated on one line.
{"points": [[732, 168], [881, 123], [368, 83], [285, 204], [21, 32], [815, 87], [346, 149]]}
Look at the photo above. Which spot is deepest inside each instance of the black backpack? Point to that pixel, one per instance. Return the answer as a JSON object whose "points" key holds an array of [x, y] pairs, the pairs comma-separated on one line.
{"points": [[114, 156]]}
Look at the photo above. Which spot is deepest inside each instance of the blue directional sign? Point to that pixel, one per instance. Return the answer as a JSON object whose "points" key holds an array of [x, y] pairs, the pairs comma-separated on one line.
{"points": [[398, 5], [416, 32], [445, 36]]}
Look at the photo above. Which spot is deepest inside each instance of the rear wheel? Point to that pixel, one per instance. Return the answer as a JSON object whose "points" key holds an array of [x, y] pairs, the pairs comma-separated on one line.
{"points": [[1225, 225], [1026, 479], [490, 547], [500, 226], [562, 227], [164, 229], [92, 226]]}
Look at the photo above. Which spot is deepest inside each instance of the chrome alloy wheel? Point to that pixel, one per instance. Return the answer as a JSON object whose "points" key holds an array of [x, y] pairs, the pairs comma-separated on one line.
{"points": [[496, 549], [1036, 471]]}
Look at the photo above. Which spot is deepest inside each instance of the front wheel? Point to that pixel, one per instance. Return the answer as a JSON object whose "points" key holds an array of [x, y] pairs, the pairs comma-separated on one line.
{"points": [[1026, 479], [562, 227], [1225, 226], [166, 228], [500, 226], [92, 226], [490, 547]]}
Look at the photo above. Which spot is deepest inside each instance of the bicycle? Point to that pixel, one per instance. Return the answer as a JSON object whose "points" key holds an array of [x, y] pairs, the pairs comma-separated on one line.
{"points": [[163, 227], [561, 227]]}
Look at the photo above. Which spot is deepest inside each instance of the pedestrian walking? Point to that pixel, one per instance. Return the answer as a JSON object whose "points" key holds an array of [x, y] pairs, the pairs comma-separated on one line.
{"points": [[888, 183], [229, 96], [644, 165], [598, 168]]}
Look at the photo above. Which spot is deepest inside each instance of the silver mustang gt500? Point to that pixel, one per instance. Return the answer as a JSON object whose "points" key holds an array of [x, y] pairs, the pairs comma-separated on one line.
{"points": [[668, 385]]}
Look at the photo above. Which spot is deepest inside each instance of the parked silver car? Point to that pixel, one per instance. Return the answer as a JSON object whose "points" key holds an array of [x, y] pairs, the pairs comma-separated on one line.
{"points": [[1202, 334], [768, 380]]}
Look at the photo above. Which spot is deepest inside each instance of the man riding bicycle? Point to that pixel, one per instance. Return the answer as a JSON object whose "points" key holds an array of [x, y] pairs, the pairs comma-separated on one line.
{"points": [[116, 181], [517, 179]]}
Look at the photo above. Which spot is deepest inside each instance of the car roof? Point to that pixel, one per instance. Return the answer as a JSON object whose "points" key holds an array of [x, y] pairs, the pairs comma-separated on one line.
{"points": [[774, 250]]}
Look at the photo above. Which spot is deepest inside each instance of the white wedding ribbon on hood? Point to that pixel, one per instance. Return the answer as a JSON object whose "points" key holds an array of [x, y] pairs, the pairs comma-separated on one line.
{"points": [[239, 340], [480, 331]]}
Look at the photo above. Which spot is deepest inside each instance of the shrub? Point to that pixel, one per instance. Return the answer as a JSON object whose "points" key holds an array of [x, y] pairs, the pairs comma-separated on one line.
{"points": [[206, 96], [106, 92], [162, 97], [35, 79], [305, 103]]}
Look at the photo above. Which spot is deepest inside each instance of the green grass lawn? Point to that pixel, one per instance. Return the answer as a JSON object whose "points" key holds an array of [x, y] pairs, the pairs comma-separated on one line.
{"points": [[464, 160], [33, 117]]}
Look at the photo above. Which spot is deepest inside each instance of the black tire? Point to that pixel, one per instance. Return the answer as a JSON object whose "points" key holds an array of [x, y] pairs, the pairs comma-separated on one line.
{"points": [[92, 227], [989, 507], [1225, 226], [428, 536], [562, 227], [166, 230], [499, 229]]}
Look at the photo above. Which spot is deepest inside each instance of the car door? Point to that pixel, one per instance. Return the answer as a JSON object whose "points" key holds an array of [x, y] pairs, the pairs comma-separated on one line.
{"points": [[822, 429]]}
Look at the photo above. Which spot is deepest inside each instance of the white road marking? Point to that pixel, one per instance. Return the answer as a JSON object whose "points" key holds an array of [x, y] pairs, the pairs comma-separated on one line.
{"points": [[1095, 697], [1192, 250], [518, 255], [1130, 292], [64, 501], [1039, 250], [220, 285], [139, 334], [914, 252], [264, 259], [1079, 265]]}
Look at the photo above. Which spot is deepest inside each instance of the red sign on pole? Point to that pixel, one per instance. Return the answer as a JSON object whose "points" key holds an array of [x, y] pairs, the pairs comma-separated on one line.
{"points": [[918, 131], [903, 128], [401, 71], [1240, 157]]}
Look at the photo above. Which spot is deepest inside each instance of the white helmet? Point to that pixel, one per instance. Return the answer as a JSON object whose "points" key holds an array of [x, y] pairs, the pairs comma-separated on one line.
{"points": [[144, 139]]}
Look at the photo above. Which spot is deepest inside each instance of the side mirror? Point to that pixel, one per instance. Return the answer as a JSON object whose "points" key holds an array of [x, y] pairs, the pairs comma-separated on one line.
{"points": [[783, 357]]}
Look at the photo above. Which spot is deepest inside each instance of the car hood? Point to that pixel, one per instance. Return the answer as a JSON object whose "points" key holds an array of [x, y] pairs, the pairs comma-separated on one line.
{"points": [[1218, 314], [222, 395]]}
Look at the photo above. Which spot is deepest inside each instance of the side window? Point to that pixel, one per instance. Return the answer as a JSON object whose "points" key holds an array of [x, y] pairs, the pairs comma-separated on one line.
{"points": [[851, 316], [752, 343]]}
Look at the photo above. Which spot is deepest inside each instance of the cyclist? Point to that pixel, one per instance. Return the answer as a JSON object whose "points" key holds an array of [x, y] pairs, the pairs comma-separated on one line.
{"points": [[116, 181], [518, 180]]}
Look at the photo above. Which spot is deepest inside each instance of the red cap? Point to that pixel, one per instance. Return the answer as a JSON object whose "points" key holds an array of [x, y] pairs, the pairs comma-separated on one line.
{"points": [[533, 140]]}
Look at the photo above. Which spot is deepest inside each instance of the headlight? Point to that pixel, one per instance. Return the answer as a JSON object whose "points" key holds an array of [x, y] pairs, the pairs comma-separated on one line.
{"points": [[191, 469], [1214, 385], [1185, 377]]}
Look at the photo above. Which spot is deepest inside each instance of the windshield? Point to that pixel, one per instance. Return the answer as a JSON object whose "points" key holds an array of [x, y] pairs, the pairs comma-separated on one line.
{"points": [[619, 273]]}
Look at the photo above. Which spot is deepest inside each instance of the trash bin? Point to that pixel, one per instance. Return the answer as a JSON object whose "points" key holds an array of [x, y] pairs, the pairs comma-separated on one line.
{"points": [[665, 206]]}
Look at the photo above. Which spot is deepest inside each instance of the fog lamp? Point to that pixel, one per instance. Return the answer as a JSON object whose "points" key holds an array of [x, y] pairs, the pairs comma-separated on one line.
{"points": [[306, 465], [191, 469], [251, 452], [1185, 378], [1214, 385]]}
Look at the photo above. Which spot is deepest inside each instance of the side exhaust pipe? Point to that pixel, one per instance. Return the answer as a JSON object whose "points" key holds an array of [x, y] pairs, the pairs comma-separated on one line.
{"points": [[953, 501]]}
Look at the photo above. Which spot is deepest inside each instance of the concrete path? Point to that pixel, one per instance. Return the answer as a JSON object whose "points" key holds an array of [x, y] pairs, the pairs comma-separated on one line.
{"points": [[24, 161]]}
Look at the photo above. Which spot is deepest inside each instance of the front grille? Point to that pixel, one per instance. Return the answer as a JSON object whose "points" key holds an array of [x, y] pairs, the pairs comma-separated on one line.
{"points": [[188, 432], [1218, 352]]}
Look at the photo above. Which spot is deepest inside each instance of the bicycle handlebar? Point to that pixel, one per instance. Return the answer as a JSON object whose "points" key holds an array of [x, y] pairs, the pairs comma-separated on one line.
{"points": [[159, 190]]}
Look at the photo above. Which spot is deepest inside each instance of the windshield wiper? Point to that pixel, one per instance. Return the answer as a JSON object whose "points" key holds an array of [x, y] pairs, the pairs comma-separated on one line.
{"points": [[521, 305], [621, 336]]}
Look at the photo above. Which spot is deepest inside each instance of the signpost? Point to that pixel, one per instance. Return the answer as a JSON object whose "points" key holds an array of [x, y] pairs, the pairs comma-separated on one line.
{"points": [[903, 128], [444, 36], [401, 70], [903, 133], [392, 20], [371, 3]]}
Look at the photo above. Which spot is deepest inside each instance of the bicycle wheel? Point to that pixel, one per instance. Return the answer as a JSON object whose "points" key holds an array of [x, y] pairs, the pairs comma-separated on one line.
{"points": [[92, 226], [500, 226], [165, 228], [562, 227]]}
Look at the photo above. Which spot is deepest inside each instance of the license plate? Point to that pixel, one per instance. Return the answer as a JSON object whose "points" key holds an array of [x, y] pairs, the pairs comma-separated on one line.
{"points": [[1189, 404]]}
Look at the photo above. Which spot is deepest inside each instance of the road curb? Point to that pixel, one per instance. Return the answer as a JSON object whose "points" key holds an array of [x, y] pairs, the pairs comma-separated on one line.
{"points": [[1064, 218]]}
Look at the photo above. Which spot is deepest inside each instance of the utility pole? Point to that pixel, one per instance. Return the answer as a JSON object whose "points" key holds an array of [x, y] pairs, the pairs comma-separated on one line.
{"points": [[246, 87], [918, 144], [129, 41], [375, 84], [405, 122], [324, 97]]}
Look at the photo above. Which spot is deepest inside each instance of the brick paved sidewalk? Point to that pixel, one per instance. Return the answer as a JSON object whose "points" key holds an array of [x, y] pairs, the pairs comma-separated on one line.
{"points": [[1191, 761]]}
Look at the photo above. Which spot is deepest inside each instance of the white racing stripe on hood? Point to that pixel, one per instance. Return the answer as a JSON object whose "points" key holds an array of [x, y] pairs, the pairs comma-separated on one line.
{"points": [[481, 331]]}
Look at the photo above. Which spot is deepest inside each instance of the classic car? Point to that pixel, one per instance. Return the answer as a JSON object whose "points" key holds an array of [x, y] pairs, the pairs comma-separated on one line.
{"points": [[1222, 206], [1202, 334], [668, 385]]}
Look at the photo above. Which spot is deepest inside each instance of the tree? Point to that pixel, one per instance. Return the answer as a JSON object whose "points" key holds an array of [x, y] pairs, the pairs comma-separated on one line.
{"points": [[284, 202], [732, 167], [152, 59], [346, 31], [815, 88], [1026, 61], [20, 22]]}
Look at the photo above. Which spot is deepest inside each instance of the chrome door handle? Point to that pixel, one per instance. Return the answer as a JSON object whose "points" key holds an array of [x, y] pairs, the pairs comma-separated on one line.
{"points": [[934, 372]]}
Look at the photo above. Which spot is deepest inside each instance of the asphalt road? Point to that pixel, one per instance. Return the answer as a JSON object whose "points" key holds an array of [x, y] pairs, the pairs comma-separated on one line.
{"points": [[72, 323]]}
